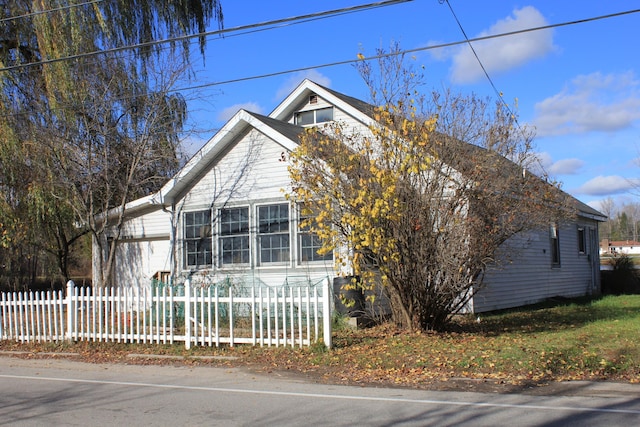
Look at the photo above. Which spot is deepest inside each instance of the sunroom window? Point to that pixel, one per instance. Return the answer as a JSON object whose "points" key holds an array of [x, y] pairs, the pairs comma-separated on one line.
{"points": [[234, 236], [308, 242], [197, 238], [273, 233]]}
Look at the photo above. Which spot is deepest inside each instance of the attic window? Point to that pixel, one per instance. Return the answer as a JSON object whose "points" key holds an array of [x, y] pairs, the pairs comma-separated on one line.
{"points": [[313, 99], [312, 117]]}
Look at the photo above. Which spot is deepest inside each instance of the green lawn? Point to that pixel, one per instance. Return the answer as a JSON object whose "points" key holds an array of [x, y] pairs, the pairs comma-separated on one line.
{"points": [[596, 339]]}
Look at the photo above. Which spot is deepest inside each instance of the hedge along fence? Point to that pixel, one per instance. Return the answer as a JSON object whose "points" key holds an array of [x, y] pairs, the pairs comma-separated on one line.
{"points": [[288, 315]]}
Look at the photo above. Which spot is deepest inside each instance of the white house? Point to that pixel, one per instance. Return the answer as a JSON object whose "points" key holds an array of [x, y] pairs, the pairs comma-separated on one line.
{"points": [[224, 216], [616, 247]]}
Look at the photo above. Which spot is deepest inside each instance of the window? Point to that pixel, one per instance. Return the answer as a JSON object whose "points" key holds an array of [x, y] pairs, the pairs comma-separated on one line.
{"points": [[304, 118], [234, 236], [582, 243], [273, 233], [324, 115], [555, 246], [197, 238], [309, 243]]}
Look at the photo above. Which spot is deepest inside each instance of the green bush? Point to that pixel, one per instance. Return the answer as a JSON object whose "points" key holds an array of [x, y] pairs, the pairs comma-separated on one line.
{"points": [[623, 279]]}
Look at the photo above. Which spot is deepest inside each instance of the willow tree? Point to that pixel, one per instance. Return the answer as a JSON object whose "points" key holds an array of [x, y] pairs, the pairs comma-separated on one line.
{"points": [[84, 125], [424, 200]]}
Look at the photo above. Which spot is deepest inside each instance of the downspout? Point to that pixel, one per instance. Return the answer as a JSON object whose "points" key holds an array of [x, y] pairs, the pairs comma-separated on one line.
{"points": [[172, 234], [172, 245]]}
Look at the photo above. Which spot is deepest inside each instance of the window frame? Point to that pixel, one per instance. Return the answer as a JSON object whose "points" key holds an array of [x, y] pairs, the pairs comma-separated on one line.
{"points": [[314, 114], [272, 230], [305, 232], [582, 240], [554, 240], [231, 235], [203, 235]]}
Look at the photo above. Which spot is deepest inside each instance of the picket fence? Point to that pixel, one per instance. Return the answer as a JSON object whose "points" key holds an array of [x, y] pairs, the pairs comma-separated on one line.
{"points": [[290, 315]]}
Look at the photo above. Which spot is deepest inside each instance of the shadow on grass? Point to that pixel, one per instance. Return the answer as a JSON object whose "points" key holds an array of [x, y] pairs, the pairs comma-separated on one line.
{"points": [[554, 314]]}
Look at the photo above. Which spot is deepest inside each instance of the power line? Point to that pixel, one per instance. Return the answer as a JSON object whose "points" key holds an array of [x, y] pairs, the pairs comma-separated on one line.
{"points": [[257, 29], [486, 73], [464, 33], [212, 33], [384, 55], [406, 51], [42, 12], [484, 70]]}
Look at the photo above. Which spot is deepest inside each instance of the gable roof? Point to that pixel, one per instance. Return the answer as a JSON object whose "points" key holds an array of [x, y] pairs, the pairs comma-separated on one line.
{"points": [[277, 127], [356, 108], [285, 134]]}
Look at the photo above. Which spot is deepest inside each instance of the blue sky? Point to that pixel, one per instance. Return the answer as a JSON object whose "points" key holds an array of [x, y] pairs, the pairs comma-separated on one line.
{"points": [[579, 85]]}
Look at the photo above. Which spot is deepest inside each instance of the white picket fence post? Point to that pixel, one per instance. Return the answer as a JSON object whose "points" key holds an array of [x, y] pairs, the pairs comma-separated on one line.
{"points": [[187, 314], [326, 313], [69, 334]]}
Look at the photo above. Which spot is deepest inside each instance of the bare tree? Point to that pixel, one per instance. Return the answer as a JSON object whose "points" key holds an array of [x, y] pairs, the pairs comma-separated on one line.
{"points": [[608, 207], [423, 201], [127, 148]]}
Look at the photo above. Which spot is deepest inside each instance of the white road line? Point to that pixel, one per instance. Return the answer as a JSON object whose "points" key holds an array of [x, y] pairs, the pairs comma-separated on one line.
{"points": [[329, 396]]}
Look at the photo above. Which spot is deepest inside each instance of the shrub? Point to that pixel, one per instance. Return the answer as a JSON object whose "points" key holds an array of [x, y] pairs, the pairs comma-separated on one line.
{"points": [[623, 278]]}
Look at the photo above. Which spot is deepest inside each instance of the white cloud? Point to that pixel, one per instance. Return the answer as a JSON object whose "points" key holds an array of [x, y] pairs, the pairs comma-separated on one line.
{"points": [[555, 168], [606, 185], [228, 112], [596, 204], [503, 53], [566, 167], [593, 102], [292, 82]]}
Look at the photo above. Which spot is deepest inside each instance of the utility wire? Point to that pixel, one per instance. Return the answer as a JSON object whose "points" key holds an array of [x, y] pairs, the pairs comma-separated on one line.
{"points": [[406, 51], [273, 27], [384, 55], [211, 33], [464, 33], [42, 12], [486, 73]]}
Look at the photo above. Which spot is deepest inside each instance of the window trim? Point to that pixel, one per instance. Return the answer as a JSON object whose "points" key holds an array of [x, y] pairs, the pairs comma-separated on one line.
{"points": [[205, 232], [554, 240], [582, 240], [301, 233], [315, 116], [259, 234], [222, 236]]}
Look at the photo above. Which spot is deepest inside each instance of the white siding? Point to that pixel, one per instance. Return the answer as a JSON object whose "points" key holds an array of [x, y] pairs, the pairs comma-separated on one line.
{"points": [[264, 176], [528, 276], [155, 223], [252, 170], [137, 261], [252, 167]]}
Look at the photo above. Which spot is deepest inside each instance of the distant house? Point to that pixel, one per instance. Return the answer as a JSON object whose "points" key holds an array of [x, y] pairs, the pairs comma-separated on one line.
{"points": [[616, 247], [224, 217]]}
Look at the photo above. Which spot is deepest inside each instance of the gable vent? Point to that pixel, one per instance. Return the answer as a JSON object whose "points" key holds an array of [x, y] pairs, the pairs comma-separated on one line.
{"points": [[313, 99]]}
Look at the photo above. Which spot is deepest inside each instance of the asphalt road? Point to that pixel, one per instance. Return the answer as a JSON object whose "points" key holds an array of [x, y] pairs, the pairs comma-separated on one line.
{"points": [[64, 393]]}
